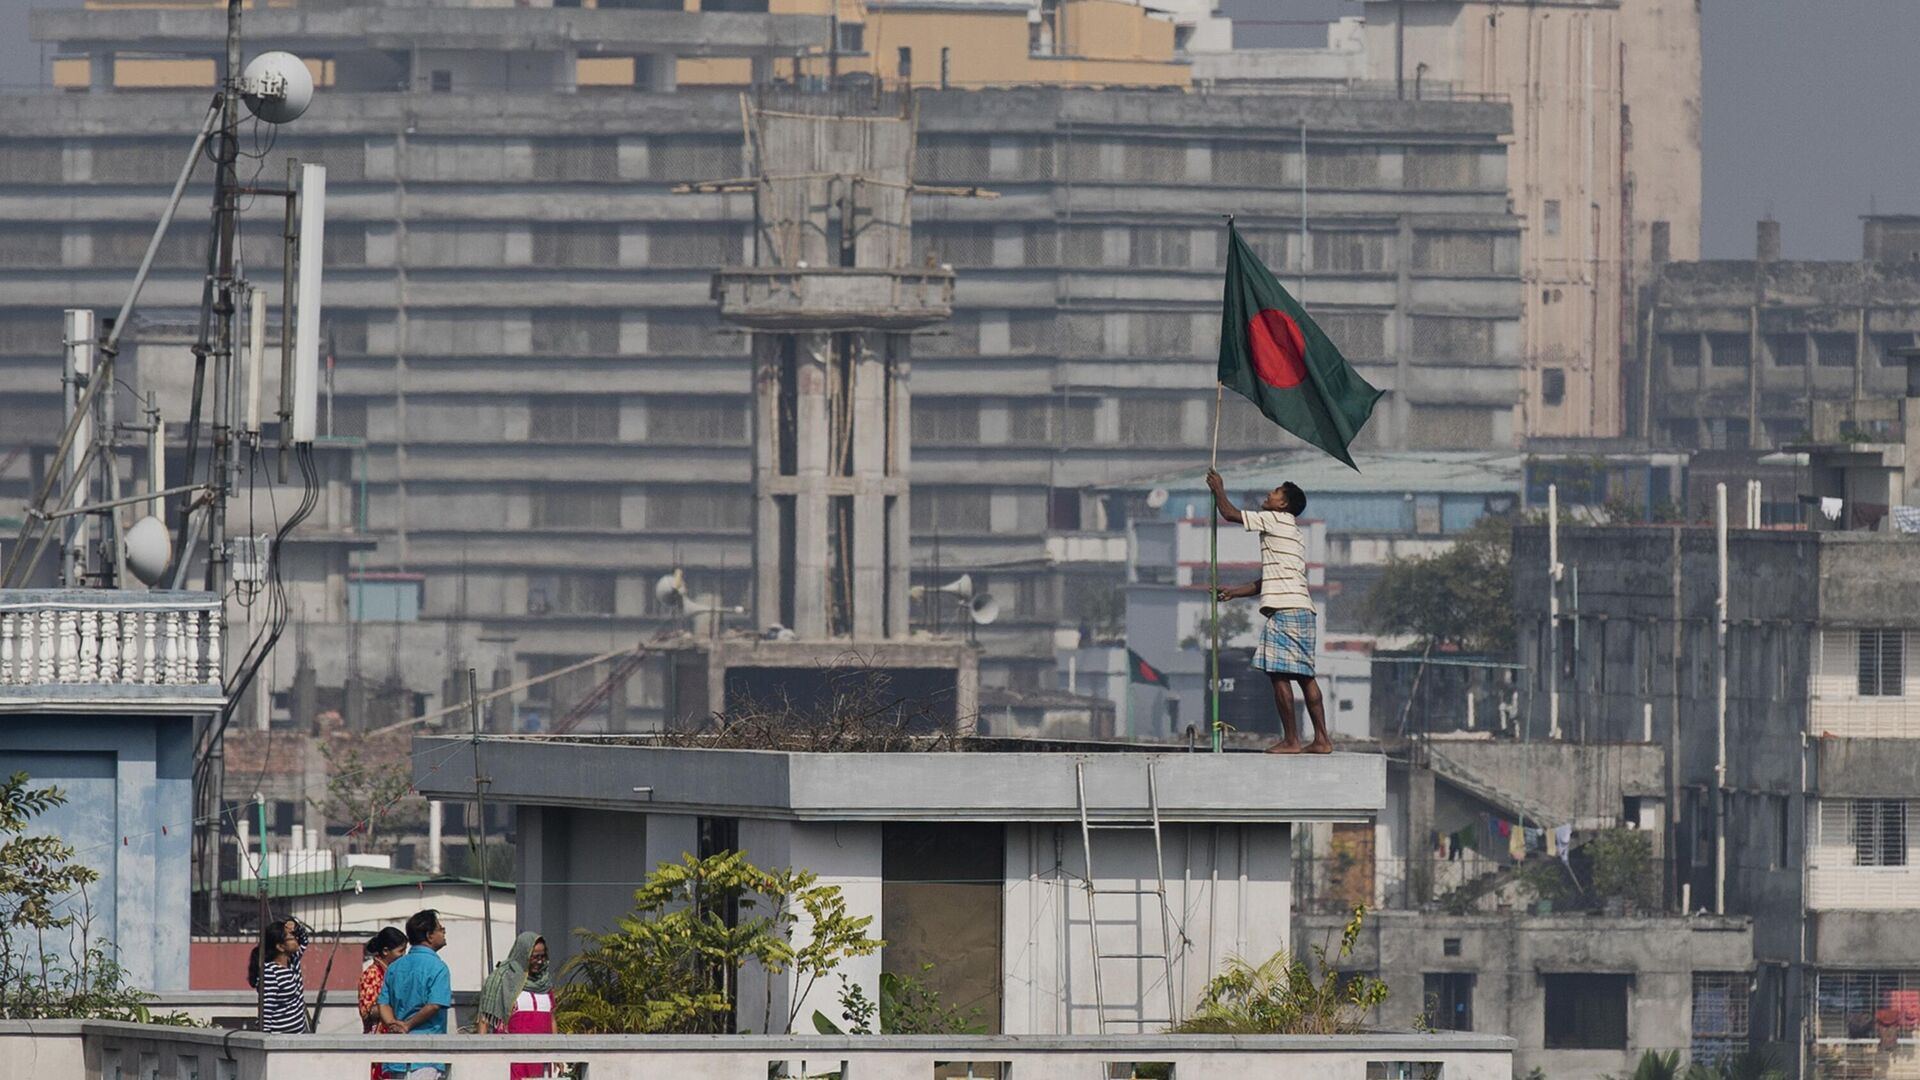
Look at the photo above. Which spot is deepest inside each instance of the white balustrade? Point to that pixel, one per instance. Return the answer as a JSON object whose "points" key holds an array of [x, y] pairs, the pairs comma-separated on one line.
{"points": [[58, 638]]}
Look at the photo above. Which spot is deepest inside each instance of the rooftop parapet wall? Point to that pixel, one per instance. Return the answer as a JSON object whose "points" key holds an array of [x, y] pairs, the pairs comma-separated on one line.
{"points": [[197, 31], [93, 1048], [959, 786]]}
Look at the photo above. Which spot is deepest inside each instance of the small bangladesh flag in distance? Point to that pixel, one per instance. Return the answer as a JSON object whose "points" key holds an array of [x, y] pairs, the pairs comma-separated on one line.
{"points": [[1273, 355], [1138, 670]]}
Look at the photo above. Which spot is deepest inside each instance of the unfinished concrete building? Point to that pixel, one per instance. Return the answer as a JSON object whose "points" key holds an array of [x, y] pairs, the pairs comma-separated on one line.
{"points": [[831, 301], [1762, 353]]}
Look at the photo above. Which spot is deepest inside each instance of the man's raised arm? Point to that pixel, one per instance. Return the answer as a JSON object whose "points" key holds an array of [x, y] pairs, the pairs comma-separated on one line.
{"points": [[1220, 501]]}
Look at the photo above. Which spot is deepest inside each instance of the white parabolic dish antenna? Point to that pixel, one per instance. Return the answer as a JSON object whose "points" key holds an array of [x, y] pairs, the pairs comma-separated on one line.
{"points": [[277, 87], [149, 549]]}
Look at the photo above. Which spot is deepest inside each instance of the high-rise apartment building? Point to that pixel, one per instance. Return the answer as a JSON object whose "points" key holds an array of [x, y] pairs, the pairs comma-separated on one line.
{"points": [[523, 331], [1604, 165]]}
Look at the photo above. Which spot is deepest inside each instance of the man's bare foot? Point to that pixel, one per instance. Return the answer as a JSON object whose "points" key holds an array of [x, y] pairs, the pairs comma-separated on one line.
{"points": [[1287, 746], [1319, 746]]}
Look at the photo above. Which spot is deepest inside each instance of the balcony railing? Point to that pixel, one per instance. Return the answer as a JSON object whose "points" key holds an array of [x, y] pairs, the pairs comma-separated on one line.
{"points": [[1866, 717], [94, 649], [1863, 888], [103, 1049], [1864, 1059]]}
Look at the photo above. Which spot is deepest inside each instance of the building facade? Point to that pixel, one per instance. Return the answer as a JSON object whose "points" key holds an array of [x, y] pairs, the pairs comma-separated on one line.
{"points": [[1770, 352], [554, 417], [1791, 800]]}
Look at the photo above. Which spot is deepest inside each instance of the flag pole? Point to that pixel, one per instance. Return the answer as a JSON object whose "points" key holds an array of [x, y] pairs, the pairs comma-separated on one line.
{"points": [[1213, 579]]}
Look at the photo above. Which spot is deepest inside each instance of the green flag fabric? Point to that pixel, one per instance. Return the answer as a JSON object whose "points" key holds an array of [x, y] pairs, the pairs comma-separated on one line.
{"points": [[1274, 355]]}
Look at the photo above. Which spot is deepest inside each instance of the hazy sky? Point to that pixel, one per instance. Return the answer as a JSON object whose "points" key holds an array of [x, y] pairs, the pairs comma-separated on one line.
{"points": [[1804, 107]]}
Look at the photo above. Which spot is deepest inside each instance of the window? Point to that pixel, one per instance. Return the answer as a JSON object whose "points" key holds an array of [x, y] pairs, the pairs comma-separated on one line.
{"points": [[1787, 350], [572, 245], [1045, 421], [694, 243], [1447, 337], [1720, 1016], [1250, 165], [572, 419], [946, 421], [699, 509], [1155, 246], [695, 157], [1405, 1070], [31, 161], [1877, 829], [1550, 217], [956, 245], [576, 332], [31, 245], [1729, 350], [1680, 350], [951, 160], [699, 421], [1882, 664], [440, 82], [1154, 162], [905, 66], [1454, 252], [1887, 348], [1150, 422], [577, 159], [1349, 252], [853, 37], [1343, 166], [1356, 334], [576, 507], [1430, 169], [1845, 1001], [951, 510], [1553, 385], [1448, 946], [1586, 1012], [1835, 350], [1449, 1000], [570, 594]]}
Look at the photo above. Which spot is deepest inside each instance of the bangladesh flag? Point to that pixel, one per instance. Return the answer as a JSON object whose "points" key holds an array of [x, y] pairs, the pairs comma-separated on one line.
{"points": [[1273, 355], [1138, 670]]}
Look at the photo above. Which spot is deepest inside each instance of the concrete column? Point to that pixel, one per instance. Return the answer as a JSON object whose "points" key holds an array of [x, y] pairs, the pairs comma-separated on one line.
{"points": [[870, 485], [100, 71], [901, 538], [813, 440], [766, 465]]}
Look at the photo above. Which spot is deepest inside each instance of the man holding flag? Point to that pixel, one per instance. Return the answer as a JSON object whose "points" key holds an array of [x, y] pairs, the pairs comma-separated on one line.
{"points": [[1275, 356]]}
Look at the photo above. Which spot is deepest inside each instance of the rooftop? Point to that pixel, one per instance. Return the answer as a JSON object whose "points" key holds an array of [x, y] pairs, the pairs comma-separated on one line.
{"points": [[985, 780]]}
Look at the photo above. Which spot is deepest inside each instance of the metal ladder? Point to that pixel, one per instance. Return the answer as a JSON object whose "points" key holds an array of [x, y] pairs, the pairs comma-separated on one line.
{"points": [[1159, 891]]}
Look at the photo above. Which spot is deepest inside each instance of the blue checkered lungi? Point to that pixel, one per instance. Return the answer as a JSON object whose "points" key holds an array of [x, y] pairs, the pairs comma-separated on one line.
{"points": [[1287, 643]]}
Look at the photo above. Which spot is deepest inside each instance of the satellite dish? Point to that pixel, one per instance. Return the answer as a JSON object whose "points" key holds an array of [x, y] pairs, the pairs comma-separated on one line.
{"points": [[983, 609], [149, 549], [276, 87], [671, 589], [1157, 498]]}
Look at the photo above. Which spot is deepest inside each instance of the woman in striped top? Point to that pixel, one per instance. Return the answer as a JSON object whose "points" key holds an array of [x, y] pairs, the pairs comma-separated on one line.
{"points": [[283, 1003]]}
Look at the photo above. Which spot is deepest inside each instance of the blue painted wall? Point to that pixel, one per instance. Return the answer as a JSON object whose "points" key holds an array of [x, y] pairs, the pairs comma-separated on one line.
{"points": [[129, 813]]}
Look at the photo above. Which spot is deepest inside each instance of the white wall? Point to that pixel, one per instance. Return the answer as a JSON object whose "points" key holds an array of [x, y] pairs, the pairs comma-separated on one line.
{"points": [[1229, 888], [459, 907]]}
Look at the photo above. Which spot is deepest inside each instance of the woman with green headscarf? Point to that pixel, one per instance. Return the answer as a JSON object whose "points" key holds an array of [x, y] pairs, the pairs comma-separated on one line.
{"points": [[517, 999]]}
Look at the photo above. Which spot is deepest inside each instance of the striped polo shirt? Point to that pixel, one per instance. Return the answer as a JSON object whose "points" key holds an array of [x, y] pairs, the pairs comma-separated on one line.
{"points": [[1283, 560]]}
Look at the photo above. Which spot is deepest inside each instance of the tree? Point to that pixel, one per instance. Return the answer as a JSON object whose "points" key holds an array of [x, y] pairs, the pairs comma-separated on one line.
{"points": [[368, 792], [1285, 996], [907, 1006], [39, 885], [1235, 620], [1461, 598], [673, 965]]}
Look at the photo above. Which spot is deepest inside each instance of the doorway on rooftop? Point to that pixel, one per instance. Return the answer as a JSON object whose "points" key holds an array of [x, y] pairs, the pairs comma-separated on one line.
{"points": [[940, 902]]}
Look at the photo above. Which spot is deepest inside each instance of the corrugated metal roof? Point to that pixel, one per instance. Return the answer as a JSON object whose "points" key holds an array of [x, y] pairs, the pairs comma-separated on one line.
{"points": [[1458, 471]]}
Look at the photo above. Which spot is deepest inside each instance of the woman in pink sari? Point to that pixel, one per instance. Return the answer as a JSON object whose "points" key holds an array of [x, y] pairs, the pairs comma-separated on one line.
{"points": [[517, 999]]}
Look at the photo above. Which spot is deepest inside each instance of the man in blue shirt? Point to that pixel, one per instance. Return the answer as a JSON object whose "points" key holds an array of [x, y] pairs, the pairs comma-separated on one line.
{"points": [[417, 996]]}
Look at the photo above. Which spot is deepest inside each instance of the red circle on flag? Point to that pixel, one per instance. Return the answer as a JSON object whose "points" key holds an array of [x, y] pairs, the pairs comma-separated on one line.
{"points": [[1279, 349]]}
